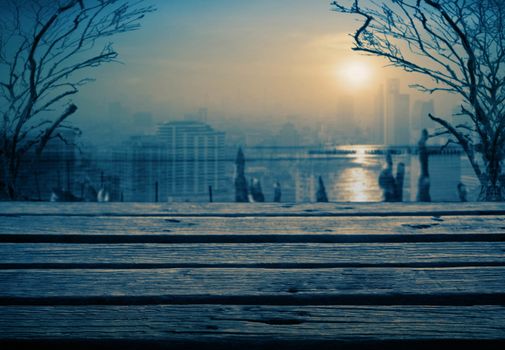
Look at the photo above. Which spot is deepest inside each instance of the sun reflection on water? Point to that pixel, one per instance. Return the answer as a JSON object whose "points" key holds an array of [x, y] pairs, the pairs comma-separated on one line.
{"points": [[358, 183]]}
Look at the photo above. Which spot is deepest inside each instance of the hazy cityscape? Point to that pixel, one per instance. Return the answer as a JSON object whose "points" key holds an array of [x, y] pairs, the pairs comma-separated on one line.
{"points": [[151, 159], [167, 124]]}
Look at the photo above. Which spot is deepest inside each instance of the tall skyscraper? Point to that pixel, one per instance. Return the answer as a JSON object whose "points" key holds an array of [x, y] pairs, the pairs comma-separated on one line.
{"points": [[142, 167], [195, 157], [397, 115], [179, 163], [377, 132], [402, 120], [392, 91]]}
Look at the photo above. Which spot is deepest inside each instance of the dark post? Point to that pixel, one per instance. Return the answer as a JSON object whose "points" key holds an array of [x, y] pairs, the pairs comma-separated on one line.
{"points": [[156, 191], [423, 184], [400, 175], [210, 194], [277, 192], [462, 192], [387, 181], [321, 195], [241, 194]]}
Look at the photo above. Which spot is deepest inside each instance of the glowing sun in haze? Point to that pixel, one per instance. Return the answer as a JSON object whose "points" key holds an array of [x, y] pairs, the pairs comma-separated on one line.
{"points": [[356, 74]]}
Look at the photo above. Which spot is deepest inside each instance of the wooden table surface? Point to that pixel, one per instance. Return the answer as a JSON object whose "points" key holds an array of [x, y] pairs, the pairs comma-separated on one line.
{"points": [[173, 275]]}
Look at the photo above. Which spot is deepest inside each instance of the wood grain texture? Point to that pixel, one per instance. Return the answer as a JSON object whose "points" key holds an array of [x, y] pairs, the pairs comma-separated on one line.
{"points": [[295, 254], [62, 225], [253, 323], [250, 282], [250, 209], [306, 275]]}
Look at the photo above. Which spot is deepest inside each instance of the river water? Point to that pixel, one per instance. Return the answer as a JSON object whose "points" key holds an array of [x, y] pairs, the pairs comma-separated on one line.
{"points": [[353, 177], [348, 176]]}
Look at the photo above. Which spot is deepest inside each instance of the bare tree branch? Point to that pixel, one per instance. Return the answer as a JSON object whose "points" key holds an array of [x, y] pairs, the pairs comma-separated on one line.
{"points": [[460, 45], [43, 45]]}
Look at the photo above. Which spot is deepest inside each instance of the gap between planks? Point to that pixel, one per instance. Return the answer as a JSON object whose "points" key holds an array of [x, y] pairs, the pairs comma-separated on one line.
{"points": [[256, 238], [435, 213], [392, 299], [274, 266]]}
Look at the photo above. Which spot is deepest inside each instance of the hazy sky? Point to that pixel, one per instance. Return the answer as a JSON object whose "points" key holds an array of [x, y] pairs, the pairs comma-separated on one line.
{"points": [[239, 58]]}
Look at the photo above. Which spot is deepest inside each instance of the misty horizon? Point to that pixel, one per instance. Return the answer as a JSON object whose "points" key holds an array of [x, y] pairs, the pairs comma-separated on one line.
{"points": [[252, 66]]}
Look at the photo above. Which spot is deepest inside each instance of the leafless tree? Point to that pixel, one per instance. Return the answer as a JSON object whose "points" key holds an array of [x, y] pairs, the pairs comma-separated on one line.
{"points": [[460, 45], [46, 49]]}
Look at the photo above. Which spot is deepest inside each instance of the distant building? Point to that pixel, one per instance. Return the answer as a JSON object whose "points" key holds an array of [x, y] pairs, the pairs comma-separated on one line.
{"points": [[377, 133], [180, 162], [397, 115], [195, 157], [402, 120], [141, 165]]}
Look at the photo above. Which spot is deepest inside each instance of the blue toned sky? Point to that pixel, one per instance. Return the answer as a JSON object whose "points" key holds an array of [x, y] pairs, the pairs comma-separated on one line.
{"points": [[238, 58]]}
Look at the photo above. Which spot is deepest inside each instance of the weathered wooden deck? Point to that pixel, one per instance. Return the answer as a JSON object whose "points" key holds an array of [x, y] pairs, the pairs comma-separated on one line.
{"points": [[253, 275]]}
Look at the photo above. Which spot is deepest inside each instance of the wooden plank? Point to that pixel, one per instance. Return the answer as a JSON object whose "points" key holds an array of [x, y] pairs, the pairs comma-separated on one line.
{"points": [[249, 225], [255, 324], [250, 209], [251, 283], [269, 255]]}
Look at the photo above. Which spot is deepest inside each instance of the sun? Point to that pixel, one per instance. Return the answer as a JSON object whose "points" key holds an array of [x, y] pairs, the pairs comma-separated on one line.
{"points": [[355, 74]]}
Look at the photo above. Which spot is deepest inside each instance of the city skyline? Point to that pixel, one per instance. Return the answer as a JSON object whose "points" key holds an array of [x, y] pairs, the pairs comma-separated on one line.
{"points": [[396, 119], [242, 61]]}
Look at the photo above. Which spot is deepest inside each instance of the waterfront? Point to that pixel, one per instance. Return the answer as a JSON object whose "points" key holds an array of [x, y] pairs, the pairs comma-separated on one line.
{"points": [[350, 175]]}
